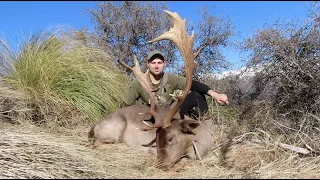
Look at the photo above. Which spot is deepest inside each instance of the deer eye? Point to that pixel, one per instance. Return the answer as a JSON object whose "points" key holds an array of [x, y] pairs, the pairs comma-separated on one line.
{"points": [[170, 139]]}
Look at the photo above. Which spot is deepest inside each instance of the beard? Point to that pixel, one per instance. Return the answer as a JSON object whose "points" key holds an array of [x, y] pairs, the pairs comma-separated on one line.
{"points": [[156, 73]]}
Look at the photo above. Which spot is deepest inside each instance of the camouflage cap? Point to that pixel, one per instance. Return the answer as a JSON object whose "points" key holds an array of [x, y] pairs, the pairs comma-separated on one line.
{"points": [[153, 53]]}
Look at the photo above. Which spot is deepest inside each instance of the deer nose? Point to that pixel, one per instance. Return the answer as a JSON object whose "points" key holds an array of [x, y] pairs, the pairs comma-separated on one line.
{"points": [[164, 167]]}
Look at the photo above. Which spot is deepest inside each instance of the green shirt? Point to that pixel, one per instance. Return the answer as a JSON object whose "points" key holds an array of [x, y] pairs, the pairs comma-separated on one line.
{"points": [[136, 91]]}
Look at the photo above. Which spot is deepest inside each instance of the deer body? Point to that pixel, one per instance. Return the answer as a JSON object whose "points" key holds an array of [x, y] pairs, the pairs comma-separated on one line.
{"points": [[124, 125]]}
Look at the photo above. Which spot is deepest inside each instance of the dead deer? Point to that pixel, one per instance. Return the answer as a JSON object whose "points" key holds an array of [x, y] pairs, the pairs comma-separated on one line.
{"points": [[126, 125], [175, 136]]}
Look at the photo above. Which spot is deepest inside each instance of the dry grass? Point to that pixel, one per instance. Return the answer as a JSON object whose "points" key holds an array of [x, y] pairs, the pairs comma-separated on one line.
{"points": [[12, 105], [28, 151]]}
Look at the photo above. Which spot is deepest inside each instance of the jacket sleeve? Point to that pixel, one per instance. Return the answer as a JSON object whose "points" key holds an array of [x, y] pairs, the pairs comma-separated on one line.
{"points": [[195, 86], [200, 87], [132, 93]]}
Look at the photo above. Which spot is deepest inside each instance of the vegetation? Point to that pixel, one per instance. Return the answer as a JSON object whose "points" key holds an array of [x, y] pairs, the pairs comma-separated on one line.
{"points": [[55, 72], [289, 79], [31, 152], [68, 79], [126, 27]]}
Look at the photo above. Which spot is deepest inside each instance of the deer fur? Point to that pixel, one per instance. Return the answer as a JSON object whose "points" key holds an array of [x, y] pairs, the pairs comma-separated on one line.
{"points": [[125, 124]]}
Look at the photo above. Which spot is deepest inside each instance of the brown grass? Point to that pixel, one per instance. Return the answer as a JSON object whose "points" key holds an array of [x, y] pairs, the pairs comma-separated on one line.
{"points": [[30, 151], [12, 105]]}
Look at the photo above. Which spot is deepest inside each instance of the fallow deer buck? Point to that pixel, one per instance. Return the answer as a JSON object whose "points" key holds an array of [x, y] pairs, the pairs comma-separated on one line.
{"points": [[175, 136]]}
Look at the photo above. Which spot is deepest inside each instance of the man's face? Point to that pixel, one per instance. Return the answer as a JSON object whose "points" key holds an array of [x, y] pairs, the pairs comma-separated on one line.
{"points": [[156, 66]]}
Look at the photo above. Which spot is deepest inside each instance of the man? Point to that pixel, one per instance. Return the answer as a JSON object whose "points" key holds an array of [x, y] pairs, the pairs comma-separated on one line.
{"points": [[167, 83]]}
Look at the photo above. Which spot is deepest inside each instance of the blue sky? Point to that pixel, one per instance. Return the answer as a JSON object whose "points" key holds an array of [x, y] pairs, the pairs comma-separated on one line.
{"points": [[26, 17]]}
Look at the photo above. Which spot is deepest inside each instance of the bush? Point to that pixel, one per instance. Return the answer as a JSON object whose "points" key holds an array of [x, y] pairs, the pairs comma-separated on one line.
{"points": [[56, 71]]}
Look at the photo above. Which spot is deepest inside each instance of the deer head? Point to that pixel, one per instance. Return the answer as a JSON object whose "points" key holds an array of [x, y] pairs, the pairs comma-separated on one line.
{"points": [[166, 132]]}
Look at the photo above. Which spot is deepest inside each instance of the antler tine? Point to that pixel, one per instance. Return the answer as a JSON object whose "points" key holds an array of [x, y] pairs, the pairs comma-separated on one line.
{"points": [[179, 36], [143, 79]]}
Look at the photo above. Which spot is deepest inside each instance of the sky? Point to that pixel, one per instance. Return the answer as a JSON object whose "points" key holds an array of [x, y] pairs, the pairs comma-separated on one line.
{"points": [[27, 17]]}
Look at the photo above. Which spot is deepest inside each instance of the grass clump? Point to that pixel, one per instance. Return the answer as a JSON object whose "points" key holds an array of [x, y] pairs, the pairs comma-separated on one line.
{"points": [[60, 74]]}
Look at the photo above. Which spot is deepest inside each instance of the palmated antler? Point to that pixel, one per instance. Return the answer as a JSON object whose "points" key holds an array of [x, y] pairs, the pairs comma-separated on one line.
{"points": [[179, 36], [143, 79]]}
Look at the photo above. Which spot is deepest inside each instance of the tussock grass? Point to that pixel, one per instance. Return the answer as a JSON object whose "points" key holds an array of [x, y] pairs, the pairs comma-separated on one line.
{"points": [[60, 74], [13, 107]]}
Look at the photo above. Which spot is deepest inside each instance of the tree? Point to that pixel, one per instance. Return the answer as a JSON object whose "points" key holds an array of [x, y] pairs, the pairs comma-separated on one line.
{"points": [[212, 34], [127, 26], [290, 54]]}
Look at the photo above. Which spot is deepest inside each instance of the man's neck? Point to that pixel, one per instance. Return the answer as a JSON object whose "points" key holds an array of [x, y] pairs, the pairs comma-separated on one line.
{"points": [[155, 79]]}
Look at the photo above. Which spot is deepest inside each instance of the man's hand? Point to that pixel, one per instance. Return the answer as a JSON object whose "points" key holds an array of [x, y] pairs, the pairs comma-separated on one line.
{"points": [[220, 98]]}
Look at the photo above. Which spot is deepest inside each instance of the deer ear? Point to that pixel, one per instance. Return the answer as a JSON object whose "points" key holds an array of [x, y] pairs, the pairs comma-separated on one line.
{"points": [[188, 125]]}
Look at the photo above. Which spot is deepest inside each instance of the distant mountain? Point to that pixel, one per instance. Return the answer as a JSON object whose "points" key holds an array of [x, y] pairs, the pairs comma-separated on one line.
{"points": [[244, 71]]}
